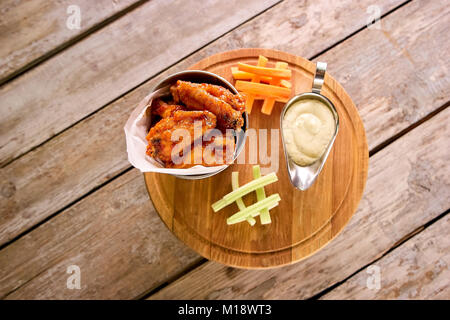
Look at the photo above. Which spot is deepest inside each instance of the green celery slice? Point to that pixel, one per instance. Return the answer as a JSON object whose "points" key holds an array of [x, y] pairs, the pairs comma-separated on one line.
{"points": [[251, 186], [261, 195], [256, 207], [255, 214], [239, 219], [251, 221], [242, 191], [216, 206], [234, 186], [239, 202]]}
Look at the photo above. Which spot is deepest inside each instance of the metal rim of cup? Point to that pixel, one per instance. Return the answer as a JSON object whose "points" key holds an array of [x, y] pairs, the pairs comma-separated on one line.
{"points": [[240, 140]]}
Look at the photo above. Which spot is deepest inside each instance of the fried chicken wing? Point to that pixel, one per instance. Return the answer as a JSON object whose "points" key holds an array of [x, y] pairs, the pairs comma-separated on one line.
{"points": [[236, 101], [164, 109], [203, 96], [160, 136]]}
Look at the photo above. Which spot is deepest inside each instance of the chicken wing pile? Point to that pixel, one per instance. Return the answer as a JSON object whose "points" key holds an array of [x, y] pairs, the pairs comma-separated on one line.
{"points": [[183, 134]]}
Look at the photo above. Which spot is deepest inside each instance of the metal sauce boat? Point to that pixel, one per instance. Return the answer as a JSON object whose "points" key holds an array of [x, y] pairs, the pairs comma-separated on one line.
{"points": [[302, 177]]}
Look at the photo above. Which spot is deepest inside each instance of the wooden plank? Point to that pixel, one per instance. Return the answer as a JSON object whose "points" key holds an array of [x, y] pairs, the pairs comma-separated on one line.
{"points": [[99, 146], [408, 185], [398, 77], [99, 140], [31, 29], [115, 237], [418, 269], [97, 226], [107, 64]]}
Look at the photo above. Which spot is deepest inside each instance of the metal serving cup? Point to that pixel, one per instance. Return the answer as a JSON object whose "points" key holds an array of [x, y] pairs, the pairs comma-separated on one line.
{"points": [[200, 76], [302, 177]]}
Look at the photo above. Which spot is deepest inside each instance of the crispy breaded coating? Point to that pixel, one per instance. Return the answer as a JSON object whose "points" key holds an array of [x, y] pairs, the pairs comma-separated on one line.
{"points": [[203, 97]]}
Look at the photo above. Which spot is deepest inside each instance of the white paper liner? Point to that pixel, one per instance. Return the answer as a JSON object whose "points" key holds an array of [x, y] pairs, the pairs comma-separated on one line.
{"points": [[136, 130]]}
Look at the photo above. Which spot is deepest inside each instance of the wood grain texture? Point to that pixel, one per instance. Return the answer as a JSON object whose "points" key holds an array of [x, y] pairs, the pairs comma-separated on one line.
{"points": [[31, 29], [418, 269], [409, 80], [304, 221], [107, 64], [303, 28], [101, 152], [408, 185], [114, 236]]}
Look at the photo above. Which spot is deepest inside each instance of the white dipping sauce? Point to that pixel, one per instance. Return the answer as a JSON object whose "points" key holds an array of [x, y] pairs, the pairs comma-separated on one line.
{"points": [[308, 127]]}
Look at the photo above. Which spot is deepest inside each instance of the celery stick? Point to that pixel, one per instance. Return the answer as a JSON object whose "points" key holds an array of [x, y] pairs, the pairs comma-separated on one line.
{"points": [[234, 186], [257, 213], [251, 186], [239, 202], [242, 191], [238, 219], [216, 206], [251, 221], [261, 195], [256, 207]]}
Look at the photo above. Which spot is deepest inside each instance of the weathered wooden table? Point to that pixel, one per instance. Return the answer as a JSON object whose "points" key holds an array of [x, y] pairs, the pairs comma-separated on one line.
{"points": [[71, 72]]}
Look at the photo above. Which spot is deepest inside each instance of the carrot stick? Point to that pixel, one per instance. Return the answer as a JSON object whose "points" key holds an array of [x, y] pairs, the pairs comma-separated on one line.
{"points": [[243, 75], [279, 99], [260, 97], [263, 71], [262, 61], [262, 89], [270, 102]]}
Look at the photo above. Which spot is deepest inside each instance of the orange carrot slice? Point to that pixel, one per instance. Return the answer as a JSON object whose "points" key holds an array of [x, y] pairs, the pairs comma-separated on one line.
{"points": [[262, 61], [262, 89], [263, 71], [270, 102], [243, 75], [279, 99]]}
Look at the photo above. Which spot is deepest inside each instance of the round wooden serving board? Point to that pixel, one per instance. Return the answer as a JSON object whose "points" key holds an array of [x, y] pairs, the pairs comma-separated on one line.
{"points": [[304, 221]]}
